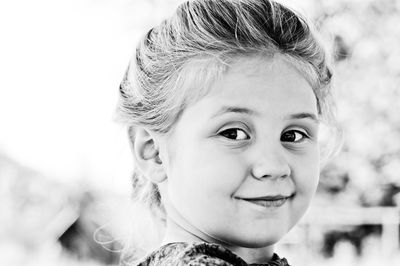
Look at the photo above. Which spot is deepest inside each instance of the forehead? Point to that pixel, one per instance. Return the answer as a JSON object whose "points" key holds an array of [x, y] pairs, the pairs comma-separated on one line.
{"points": [[255, 81], [198, 76]]}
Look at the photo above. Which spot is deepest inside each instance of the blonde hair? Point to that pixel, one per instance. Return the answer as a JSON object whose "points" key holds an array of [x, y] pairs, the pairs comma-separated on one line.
{"points": [[176, 62]]}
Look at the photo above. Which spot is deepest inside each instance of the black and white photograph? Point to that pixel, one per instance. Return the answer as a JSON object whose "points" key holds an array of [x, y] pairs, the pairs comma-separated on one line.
{"points": [[200, 132]]}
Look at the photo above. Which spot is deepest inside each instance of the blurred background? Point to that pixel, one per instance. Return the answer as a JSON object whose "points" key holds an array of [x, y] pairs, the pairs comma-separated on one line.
{"points": [[65, 165]]}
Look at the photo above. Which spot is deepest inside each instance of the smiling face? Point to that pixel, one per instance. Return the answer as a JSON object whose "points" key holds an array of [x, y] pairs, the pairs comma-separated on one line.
{"points": [[242, 163]]}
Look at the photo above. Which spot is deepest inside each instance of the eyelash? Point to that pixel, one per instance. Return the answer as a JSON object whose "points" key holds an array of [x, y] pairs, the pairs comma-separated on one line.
{"points": [[225, 133], [303, 135]]}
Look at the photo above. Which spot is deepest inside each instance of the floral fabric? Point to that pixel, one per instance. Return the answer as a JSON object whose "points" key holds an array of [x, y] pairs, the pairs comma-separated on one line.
{"points": [[200, 254]]}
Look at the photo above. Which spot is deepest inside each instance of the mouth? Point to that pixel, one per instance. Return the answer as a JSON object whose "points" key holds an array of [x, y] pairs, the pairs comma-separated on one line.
{"points": [[269, 201]]}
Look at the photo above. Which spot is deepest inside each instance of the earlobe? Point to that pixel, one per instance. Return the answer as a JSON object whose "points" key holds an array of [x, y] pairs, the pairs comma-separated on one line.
{"points": [[147, 158]]}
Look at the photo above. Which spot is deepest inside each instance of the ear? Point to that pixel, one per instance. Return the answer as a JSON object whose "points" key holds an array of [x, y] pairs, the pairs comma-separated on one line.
{"points": [[147, 156]]}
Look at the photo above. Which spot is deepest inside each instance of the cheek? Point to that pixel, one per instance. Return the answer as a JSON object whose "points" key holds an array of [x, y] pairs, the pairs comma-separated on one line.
{"points": [[307, 174], [201, 183], [207, 171]]}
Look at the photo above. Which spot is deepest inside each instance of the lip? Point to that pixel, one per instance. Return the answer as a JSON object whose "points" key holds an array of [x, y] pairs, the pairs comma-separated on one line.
{"points": [[268, 198], [267, 202]]}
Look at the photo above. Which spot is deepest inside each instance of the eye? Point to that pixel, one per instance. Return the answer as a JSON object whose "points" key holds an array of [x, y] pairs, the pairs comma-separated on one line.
{"points": [[234, 133], [293, 136]]}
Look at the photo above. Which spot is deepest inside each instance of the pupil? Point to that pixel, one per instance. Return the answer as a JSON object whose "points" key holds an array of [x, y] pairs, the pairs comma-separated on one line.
{"points": [[289, 136], [232, 134]]}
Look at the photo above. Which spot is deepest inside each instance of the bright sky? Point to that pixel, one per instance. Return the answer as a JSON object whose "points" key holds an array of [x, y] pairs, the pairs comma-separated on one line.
{"points": [[61, 63]]}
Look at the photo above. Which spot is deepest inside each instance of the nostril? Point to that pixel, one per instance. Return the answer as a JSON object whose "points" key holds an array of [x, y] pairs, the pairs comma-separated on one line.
{"points": [[261, 177], [271, 173], [284, 176]]}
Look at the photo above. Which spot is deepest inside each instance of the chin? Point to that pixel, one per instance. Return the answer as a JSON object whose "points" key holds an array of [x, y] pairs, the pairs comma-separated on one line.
{"points": [[256, 241]]}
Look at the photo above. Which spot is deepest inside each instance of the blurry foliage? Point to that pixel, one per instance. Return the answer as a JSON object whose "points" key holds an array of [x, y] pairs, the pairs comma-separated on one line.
{"points": [[365, 39], [42, 219]]}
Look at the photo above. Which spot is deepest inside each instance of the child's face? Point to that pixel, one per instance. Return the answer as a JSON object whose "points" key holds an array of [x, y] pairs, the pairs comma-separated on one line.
{"points": [[254, 135]]}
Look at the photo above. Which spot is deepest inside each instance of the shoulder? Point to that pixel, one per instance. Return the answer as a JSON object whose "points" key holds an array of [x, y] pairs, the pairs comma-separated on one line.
{"points": [[192, 254]]}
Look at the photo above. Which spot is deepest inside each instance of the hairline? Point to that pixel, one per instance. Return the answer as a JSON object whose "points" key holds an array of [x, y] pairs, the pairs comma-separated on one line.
{"points": [[204, 64]]}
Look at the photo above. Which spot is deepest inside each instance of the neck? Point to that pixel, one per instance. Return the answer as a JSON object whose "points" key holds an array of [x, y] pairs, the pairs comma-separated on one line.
{"points": [[254, 255], [184, 232]]}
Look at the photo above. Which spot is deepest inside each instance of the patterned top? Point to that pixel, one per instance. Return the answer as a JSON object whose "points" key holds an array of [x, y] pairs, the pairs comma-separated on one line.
{"points": [[200, 254]]}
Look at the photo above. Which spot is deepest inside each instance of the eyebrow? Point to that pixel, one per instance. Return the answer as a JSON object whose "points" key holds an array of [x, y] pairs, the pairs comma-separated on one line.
{"points": [[310, 116], [235, 109], [247, 111]]}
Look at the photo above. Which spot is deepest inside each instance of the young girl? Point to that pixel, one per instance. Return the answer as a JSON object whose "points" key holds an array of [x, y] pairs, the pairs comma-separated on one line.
{"points": [[223, 103]]}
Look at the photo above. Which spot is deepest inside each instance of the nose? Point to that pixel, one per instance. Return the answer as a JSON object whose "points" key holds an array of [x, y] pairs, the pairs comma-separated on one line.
{"points": [[272, 164]]}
